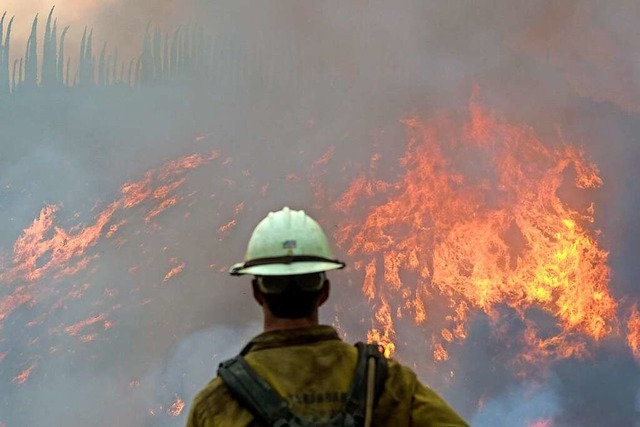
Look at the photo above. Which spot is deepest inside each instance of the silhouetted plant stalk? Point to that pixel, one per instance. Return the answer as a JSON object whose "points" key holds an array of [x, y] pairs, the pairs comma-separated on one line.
{"points": [[31, 57], [5, 82], [60, 61], [49, 53], [102, 66], [185, 53]]}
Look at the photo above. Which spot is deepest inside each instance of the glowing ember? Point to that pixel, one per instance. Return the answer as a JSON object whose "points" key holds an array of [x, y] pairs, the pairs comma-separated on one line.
{"points": [[228, 226], [176, 407], [439, 353], [9, 303], [75, 330], [161, 208], [476, 222], [88, 337], [23, 376], [177, 167], [174, 272]]}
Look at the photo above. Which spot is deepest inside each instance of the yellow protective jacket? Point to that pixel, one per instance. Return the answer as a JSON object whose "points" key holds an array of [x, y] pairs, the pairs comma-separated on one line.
{"points": [[312, 369]]}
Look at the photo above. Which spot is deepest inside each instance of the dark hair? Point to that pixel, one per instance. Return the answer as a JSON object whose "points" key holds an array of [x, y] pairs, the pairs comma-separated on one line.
{"points": [[292, 303]]}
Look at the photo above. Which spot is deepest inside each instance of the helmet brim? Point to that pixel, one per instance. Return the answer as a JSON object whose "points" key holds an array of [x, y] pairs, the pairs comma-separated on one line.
{"points": [[286, 269]]}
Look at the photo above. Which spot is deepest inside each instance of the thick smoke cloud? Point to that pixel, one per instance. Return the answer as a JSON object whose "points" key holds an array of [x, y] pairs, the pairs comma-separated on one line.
{"points": [[294, 78]]}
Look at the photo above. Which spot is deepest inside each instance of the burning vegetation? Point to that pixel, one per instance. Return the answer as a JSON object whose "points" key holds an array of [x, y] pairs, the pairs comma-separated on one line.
{"points": [[450, 232]]}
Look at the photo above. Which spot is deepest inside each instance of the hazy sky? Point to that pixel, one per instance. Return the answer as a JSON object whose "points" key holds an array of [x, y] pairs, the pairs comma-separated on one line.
{"points": [[73, 11]]}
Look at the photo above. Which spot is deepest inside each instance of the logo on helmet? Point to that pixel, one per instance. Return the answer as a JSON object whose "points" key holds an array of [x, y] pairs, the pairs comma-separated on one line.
{"points": [[289, 244]]}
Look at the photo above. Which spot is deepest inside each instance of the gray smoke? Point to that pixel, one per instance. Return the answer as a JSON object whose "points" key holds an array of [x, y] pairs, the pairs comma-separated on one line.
{"points": [[523, 405], [288, 80]]}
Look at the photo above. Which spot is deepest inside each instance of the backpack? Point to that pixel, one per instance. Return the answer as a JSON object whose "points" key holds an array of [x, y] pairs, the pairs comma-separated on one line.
{"points": [[270, 409]]}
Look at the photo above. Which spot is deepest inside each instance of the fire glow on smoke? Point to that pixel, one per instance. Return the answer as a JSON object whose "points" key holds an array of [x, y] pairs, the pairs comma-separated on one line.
{"points": [[475, 220]]}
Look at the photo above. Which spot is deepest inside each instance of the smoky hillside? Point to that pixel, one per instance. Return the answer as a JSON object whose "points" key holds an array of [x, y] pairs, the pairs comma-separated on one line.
{"points": [[475, 164]]}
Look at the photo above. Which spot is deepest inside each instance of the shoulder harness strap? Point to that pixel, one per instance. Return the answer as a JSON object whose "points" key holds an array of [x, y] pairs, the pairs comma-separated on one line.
{"points": [[267, 406], [255, 394], [356, 397]]}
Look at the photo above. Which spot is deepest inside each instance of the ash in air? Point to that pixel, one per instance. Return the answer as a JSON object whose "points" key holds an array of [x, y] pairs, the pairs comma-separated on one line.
{"points": [[474, 162]]}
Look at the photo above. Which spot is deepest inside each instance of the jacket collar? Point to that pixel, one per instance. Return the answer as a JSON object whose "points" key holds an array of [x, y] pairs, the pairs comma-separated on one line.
{"points": [[290, 337]]}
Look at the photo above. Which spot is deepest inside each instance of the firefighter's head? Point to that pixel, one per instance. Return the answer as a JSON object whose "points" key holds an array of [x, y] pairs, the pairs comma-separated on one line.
{"points": [[289, 253]]}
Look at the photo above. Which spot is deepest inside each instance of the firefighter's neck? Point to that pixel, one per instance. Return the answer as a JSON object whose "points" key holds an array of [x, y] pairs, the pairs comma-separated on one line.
{"points": [[273, 323]]}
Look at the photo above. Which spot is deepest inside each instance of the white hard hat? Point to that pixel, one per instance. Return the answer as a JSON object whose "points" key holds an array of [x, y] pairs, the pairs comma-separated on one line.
{"points": [[285, 243]]}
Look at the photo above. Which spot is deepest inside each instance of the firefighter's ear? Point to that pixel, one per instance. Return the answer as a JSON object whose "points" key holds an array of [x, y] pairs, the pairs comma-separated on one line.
{"points": [[257, 295], [324, 293]]}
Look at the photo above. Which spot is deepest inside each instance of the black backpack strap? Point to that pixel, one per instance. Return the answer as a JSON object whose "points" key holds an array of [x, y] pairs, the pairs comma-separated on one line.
{"points": [[356, 397], [255, 394], [269, 408]]}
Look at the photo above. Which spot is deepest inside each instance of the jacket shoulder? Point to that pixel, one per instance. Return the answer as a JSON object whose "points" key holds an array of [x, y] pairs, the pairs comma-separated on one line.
{"points": [[422, 404], [214, 404], [401, 380]]}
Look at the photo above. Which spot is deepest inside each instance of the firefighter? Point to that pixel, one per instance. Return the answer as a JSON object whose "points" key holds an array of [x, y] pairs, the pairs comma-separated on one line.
{"points": [[298, 372]]}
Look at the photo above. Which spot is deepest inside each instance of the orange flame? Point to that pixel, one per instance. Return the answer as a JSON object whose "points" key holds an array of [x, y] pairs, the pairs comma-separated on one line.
{"points": [[176, 407], [44, 247], [450, 230], [633, 332]]}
